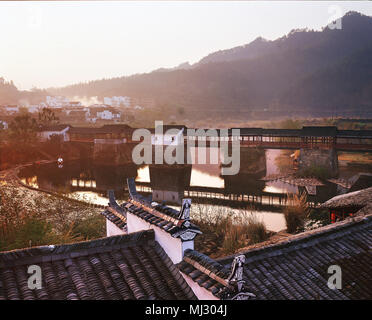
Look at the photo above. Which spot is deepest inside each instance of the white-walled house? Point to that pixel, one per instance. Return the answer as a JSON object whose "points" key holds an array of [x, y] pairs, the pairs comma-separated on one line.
{"points": [[57, 101], [75, 104], [108, 115], [175, 233], [34, 108], [117, 101], [47, 132], [11, 109], [102, 112]]}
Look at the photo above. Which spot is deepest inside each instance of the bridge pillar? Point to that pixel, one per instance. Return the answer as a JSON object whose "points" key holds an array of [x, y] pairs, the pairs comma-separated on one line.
{"points": [[112, 152], [168, 182], [312, 159]]}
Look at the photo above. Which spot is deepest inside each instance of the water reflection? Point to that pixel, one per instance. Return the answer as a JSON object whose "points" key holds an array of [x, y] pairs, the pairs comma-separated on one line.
{"points": [[245, 191]]}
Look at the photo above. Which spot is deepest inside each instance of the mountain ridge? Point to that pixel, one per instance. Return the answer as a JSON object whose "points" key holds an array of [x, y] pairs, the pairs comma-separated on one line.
{"points": [[283, 75]]}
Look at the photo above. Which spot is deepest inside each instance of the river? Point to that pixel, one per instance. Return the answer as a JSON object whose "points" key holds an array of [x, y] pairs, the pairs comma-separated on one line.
{"points": [[211, 192]]}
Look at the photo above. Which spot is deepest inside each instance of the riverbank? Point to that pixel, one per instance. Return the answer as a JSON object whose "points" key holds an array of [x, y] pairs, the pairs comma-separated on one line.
{"points": [[31, 216]]}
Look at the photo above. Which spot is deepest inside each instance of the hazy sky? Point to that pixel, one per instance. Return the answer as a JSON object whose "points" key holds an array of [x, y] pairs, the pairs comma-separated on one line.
{"points": [[47, 44]]}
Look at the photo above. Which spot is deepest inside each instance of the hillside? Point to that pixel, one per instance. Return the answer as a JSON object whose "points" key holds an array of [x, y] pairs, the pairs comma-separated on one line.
{"points": [[9, 94], [308, 72]]}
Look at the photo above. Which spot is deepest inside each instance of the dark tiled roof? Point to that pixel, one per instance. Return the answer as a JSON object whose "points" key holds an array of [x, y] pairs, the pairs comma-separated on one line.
{"points": [[166, 220], [56, 127], [130, 266], [355, 199], [120, 222], [205, 271], [114, 212], [362, 181], [249, 131], [114, 128], [282, 132], [298, 268], [354, 133], [223, 283]]}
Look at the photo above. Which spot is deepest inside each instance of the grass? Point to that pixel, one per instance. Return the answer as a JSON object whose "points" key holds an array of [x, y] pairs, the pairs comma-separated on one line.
{"points": [[29, 218], [224, 232], [314, 172]]}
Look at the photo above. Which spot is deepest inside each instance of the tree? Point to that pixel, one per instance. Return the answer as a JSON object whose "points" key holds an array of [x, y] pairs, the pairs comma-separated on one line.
{"points": [[47, 117], [23, 129]]}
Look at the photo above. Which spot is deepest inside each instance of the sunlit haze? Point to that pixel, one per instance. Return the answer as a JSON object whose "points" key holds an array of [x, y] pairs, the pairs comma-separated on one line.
{"points": [[46, 44]]}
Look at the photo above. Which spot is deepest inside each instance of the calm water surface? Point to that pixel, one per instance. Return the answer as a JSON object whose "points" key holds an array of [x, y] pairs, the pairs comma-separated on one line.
{"points": [[243, 193]]}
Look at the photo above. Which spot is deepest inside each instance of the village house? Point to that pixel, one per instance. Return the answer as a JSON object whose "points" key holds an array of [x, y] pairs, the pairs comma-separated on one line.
{"points": [[107, 131], [57, 101], [102, 112], [117, 101], [60, 130], [34, 108], [3, 125], [10, 109], [349, 204], [75, 104]]}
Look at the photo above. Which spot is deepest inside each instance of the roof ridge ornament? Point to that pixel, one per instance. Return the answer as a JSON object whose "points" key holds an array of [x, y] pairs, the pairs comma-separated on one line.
{"points": [[236, 278], [237, 269], [132, 188], [185, 212]]}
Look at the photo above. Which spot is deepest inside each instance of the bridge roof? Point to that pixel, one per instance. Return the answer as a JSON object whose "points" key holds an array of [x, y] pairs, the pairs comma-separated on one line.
{"points": [[108, 128], [248, 131], [314, 131], [354, 134], [167, 127], [282, 132]]}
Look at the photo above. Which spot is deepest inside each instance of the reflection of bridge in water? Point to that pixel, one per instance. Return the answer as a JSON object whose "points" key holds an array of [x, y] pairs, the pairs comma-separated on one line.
{"points": [[217, 196], [171, 183]]}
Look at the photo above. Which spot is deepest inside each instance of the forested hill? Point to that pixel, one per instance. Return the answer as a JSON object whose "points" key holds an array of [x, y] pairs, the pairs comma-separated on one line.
{"points": [[306, 71], [9, 94]]}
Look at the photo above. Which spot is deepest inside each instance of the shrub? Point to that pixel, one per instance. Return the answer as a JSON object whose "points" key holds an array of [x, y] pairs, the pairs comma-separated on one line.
{"points": [[296, 213], [318, 218], [90, 228]]}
